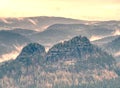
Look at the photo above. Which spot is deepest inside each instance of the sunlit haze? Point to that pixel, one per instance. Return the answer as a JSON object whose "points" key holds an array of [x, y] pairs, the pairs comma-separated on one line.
{"points": [[78, 9]]}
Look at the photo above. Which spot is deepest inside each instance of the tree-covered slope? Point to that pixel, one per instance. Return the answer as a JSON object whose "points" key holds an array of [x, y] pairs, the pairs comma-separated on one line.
{"points": [[73, 62]]}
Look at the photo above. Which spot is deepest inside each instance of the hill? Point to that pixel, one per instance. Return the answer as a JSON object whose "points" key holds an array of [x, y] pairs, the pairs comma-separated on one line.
{"points": [[73, 62]]}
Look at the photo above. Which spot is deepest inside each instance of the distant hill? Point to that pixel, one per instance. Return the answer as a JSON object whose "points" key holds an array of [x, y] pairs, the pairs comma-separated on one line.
{"points": [[24, 32], [51, 30], [59, 32], [113, 47], [34, 23], [10, 42], [104, 40]]}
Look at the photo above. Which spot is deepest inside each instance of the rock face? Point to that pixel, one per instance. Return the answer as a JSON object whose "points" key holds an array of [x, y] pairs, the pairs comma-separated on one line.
{"points": [[82, 51], [69, 63], [32, 49], [75, 48], [32, 53]]}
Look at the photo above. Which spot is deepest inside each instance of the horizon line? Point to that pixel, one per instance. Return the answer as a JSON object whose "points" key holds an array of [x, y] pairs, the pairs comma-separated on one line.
{"points": [[82, 19]]}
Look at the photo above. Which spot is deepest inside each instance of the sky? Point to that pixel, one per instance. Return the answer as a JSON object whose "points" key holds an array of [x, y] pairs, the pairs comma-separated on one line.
{"points": [[77, 9]]}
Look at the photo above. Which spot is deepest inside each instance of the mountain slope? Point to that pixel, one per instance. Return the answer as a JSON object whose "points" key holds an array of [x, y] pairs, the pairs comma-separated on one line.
{"points": [[104, 40], [51, 30], [34, 23], [82, 52], [10, 42], [114, 45], [32, 52], [113, 48], [24, 32], [72, 62], [67, 31]]}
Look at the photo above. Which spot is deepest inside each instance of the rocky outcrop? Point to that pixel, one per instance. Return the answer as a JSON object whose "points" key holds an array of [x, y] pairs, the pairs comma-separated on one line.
{"points": [[72, 62]]}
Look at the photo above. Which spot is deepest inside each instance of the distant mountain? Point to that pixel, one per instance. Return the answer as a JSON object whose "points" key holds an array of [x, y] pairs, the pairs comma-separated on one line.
{"points": [[40, 23], [24, 32], [110, 24], [71, 63], [34, 23], [51, 30], [59, 32], [104, 40], [113, 47], [10, 42]]}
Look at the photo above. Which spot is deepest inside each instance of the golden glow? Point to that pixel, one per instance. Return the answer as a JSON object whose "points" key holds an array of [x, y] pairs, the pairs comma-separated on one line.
{"points": [[11, 55], [95, 37], [117, 54], [79, 9], [117, 32]]}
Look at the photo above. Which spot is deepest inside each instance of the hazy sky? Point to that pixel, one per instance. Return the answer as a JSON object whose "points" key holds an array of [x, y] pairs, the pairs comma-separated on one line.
{"points": [[79, 9]]}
